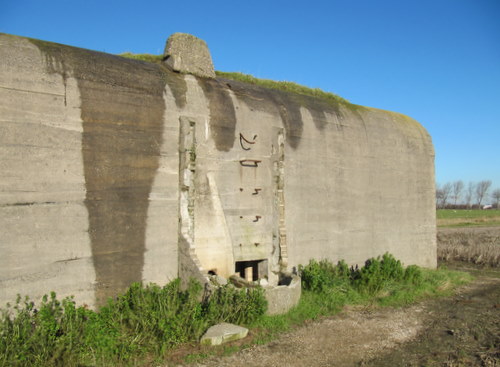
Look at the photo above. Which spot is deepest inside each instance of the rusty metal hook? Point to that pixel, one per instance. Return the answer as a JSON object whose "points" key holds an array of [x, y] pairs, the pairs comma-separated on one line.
{"points": [[250, 162], [243, 139]]}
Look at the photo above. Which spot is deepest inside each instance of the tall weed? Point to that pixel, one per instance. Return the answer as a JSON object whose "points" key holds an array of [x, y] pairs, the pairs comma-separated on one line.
{"points": [[144, 320], [375, 275], [147, 321]]}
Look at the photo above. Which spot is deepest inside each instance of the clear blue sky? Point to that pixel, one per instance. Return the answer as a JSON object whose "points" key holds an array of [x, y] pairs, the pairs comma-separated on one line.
{"points": [[437, 61]]}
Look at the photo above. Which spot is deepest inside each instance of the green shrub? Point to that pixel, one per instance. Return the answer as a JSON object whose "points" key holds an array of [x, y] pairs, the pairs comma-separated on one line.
{"points": [[228, 304], [148, 321], [319, 276], [413, 275], [377, 274], [144, 320]]}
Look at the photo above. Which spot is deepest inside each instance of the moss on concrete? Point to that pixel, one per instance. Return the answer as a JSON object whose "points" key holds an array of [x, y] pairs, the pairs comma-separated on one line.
{"points": [[283, 86], [155, 59]]}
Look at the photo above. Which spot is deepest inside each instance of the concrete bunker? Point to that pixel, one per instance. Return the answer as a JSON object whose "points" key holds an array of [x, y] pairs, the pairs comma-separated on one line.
{"points": [[120, 170]]}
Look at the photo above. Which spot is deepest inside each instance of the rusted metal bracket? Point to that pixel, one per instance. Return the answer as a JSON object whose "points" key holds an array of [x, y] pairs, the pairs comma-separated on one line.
{"points": [[250, 162], [257, 217], [256, 191], [243, 139]]}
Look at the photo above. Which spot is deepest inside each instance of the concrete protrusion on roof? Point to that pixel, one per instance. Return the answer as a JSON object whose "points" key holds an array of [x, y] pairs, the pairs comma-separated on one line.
{"points": [[223, 333], [188, 54]]}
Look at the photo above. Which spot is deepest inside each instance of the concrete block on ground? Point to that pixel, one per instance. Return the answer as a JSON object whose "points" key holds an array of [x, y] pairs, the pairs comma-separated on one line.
{"points": [[282, 298], [223, 333]]}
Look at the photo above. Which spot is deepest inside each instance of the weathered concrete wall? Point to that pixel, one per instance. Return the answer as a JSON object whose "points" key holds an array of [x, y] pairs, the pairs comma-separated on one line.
{"points": [[116, 170], [89, 166]]}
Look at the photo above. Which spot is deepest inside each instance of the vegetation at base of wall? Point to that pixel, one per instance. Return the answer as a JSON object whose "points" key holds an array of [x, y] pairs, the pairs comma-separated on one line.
{"points": [[467, 218], [143, 325], [382, 281], [143, 322]]}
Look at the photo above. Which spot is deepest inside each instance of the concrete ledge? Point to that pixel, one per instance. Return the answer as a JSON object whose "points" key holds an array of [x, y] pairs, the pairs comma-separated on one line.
{"points": [[282, 298]]}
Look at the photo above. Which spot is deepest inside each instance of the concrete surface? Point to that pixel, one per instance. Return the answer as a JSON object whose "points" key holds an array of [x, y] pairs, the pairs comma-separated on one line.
{"points": [[116, 171], [282, 298]]}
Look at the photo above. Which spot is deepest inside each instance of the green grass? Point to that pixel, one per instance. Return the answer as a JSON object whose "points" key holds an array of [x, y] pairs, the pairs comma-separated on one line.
{"points": [[382, 282], [146, 324], [155, 59], [467, 218], [466, 214], [139, 326], [284, 86]]}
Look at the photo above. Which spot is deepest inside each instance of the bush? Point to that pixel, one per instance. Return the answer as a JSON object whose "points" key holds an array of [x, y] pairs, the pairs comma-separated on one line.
{"points": [[376, 274], [322, 275], [235, 306], [143, 320]]}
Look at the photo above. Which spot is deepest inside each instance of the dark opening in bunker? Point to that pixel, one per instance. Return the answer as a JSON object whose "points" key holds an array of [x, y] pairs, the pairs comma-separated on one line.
{"points": [[251, 270]]}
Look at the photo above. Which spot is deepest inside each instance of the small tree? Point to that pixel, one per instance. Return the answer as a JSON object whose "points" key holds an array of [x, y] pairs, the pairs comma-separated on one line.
{"points": [[496, 196], [469, 193], [482, 188], [439, 196], [442, 194], [456, 191]]}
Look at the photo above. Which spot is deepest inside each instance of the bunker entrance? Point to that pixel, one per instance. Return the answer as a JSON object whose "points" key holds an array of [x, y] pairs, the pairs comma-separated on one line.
{"points": [[251, 270]]}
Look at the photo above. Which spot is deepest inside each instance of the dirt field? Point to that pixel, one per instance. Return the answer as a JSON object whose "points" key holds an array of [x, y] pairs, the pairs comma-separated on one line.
{"points": [[461, 330]]}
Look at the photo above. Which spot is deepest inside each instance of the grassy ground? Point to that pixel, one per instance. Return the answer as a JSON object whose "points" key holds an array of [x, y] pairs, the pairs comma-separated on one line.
{"points": [[467, 218], [152, 325], [326, 293]]}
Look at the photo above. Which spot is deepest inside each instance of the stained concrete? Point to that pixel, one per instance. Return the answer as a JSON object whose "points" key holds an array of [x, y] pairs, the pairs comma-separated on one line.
{"points": [[100, 187]]}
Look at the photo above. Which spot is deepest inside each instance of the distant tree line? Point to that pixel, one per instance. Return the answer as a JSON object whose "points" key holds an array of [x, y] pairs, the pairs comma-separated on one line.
{"points": [[457, 195]]}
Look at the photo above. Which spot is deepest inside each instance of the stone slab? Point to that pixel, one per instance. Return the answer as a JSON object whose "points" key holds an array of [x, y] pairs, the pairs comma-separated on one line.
{"points": [[223, 333]]}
